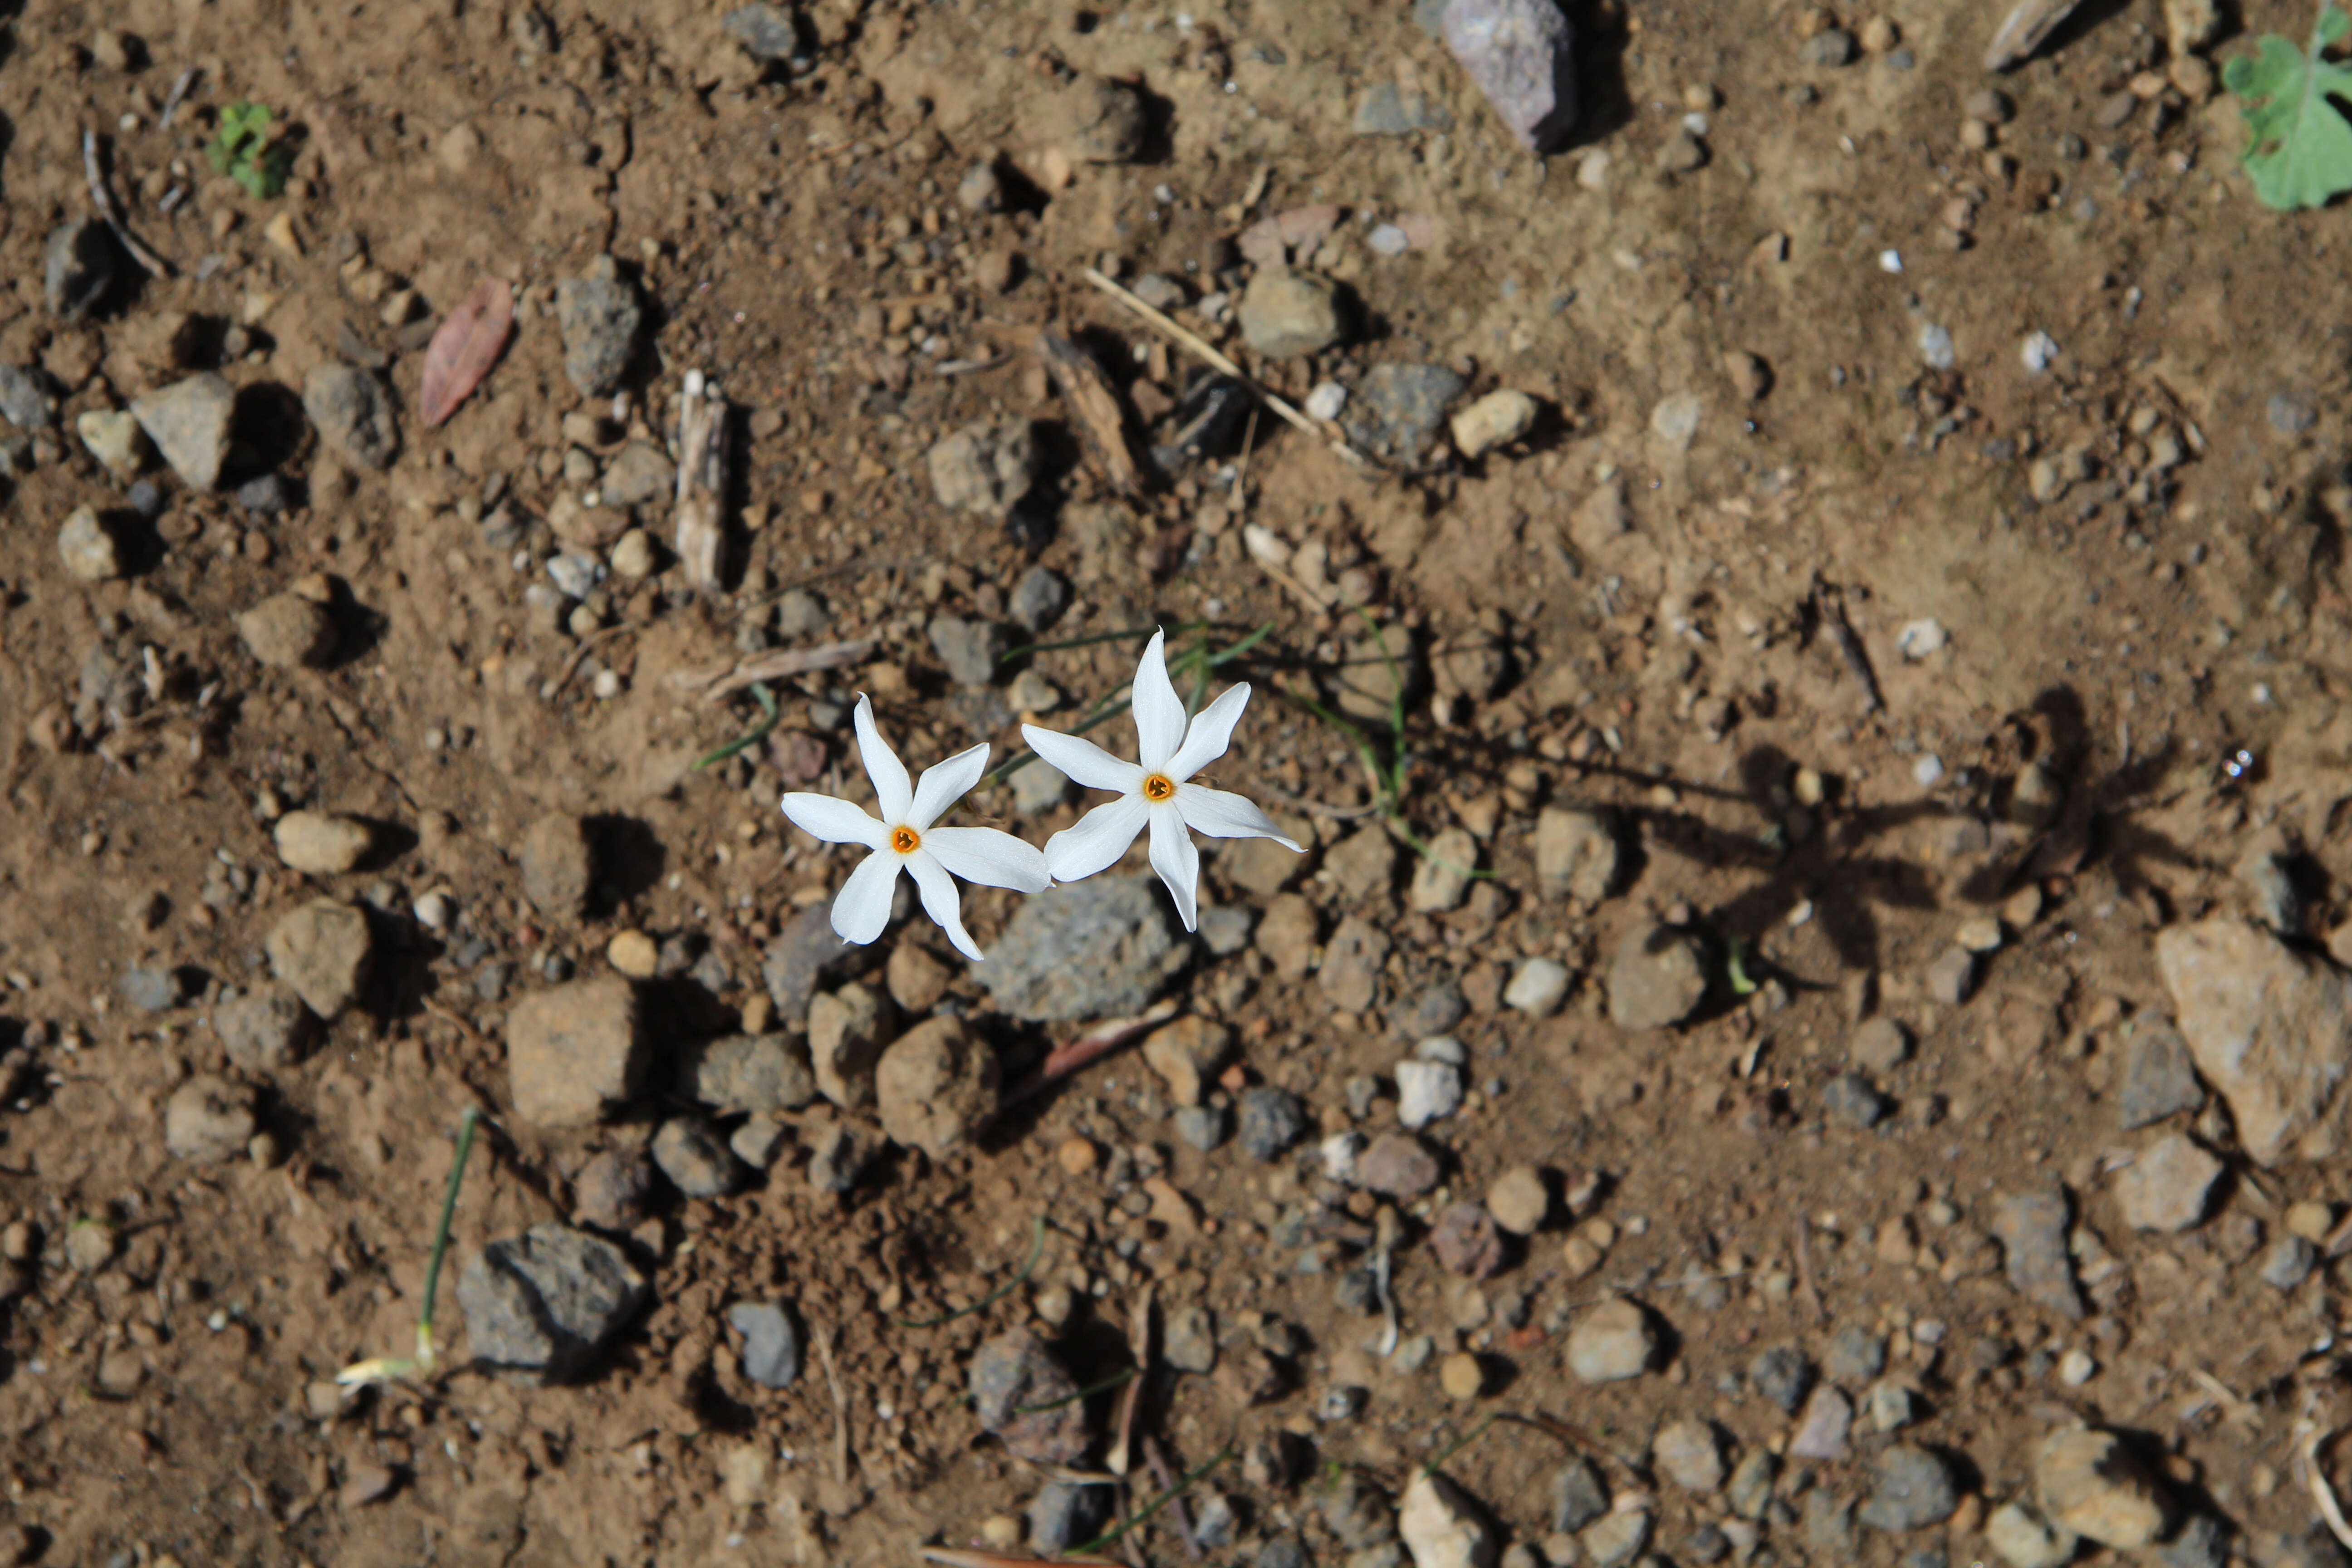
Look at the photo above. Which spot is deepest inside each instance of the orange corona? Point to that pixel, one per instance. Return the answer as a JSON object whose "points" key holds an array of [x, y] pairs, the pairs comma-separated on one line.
{"points": [[1158, 786], [906, 840]]}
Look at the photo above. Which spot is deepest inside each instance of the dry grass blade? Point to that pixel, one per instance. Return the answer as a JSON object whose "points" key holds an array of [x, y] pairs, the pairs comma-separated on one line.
{"points": [[464, 348], [2322, 1493], [113, 214], [1095, 1044], [1088, 393], [1138, 1344], [717, 685], [1207, 353], [2025, 31]]}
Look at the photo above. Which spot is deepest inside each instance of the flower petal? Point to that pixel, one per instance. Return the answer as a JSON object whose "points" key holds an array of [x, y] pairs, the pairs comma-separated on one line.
{"points": [[892, 794], [944, 783], [1177, 863], [1159, 711], [1211, 730], [991, 859], [862, 908], [1097, 840], [941, 902], [1220, 813], [1085, 763], [833, 821]]}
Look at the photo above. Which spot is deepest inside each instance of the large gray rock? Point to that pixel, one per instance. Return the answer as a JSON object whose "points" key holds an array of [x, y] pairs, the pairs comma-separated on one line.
{"points": [[189, 423], [2271, 1027], [540, 1306], [1521, 53], [325, 951], [1094, 949], [352, 414], [1656, 979], [936, 1086], [763, 1074], [265, 1029], [575, 1051], [1014, 1378], [1397, 409]]}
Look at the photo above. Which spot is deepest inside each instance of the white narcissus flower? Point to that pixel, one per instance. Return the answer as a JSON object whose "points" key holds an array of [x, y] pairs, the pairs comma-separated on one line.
{"points": [[1157, 789], [905, 840]]}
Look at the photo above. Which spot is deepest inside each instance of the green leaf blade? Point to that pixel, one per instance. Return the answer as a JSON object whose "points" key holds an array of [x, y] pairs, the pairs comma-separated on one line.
{"points": [[2299, 149]]}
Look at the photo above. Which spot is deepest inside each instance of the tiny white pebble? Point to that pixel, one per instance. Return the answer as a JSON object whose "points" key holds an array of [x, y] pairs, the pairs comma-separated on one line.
{"points": [[606, 686], [2076, 1368], [1928, 771], [1326, 401], [1890, 262]]}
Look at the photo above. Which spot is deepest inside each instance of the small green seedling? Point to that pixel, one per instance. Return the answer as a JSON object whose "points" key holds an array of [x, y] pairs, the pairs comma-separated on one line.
{"points": [[246, 151], [428, 1359], [2301, 151]]}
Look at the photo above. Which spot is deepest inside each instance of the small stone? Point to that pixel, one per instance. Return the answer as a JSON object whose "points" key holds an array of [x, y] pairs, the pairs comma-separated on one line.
{"points": [[87, 547], [1427, 1091], [916, 981], [114, 439], [695, 1159], [2092, 1483], [2168, 1185], [935, 1087], [78, 268], [2032, 1230], [1518, 1200], [1289, 315], [1388, 109], [764, 1074], [1462, 1377], [2025, 1539], [1829, 48], [1443, 1528], [575, 1051], [541, 1305], [1184, 1053], [2268, 1025], [1892, 1406], [767, 35], [1443, 873], [614, 1190], [1016, 1370], [1397, 1165], [1098, 121], [1272, 1120], [984, 468], [1879, 1047], [352, 412], [1188, 1339], [632, 558], [1201, 1127], [1855, 1354], [189, 423], [1495, 420], [1579, 1496], [208, 1120], [1397, 411], [970, 649], [1849, 1097], [25, 400], [1536, 986], [1226, 928], [1062, 1514], [1912, 1487], [770, 1355], [2289, 1262], [1615, 1540], [981, 189], [848, 1031], [1039, 598], [287, 631], [1656, 979], [2202, 1543], [1521, 53], [557, 865], [1465, 1242], [1822, 1430], [634, 953], [1675, 419], [1750, 377], [1782, 1376], [839, 1156], [1691, 1455], [1612, 1342], [1952, 978], [265, 1029], [322, 844], [1749, 1490], [325, 951], [152, 988], [600, 316], [90, 1246]]}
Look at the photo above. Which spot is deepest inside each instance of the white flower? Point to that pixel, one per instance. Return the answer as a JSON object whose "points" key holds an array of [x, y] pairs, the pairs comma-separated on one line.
{"points": [[905, 840], [1157, 790]]}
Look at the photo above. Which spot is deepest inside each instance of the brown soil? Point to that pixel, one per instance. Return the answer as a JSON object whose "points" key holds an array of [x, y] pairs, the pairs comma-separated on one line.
{"points": [[798, 234]]}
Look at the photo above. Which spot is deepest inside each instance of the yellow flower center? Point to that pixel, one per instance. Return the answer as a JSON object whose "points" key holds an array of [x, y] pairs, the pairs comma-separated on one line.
{"points": [[906, 840], [1158, 786]]}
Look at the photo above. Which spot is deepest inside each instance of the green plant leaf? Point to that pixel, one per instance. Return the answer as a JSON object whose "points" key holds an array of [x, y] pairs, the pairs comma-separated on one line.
{"points": [[2301, 152]]}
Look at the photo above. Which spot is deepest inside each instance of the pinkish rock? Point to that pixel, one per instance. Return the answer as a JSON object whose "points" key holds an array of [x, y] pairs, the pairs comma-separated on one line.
{"points": [[1522, 55]]}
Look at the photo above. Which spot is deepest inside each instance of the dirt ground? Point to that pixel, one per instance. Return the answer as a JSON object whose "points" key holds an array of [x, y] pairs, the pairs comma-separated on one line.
{"points": [[1909, 669]]}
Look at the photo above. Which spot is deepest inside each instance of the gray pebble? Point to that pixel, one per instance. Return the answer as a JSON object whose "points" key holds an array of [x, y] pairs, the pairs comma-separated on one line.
{"points": [[1272, 1121], [352, 412], [1849, 1097], [599, 315], [838, 1157], [1062, 1515], [1200, 1126], [764, 30], [1855, 1354], [154, 989], [78, 268], [2160, 1080], [1783, 1375], [691, 1154], [2202, 1543], [772, 1342], [24, 398], [970, 649], [540, 1305], [1397, 409], [1579, 1496], [1039, 598], [1830, 47], [1913, 1488], [2289, 1262], [2289, 415]]}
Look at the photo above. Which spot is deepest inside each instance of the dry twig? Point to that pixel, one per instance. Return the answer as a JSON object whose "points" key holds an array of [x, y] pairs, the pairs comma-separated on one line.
{"points": [[1208, 354], [1088, 393], [1805, 1286], [840, 1407], [1830, 606], [1139, 1345], [1095, 1043], [718, 685], [112, 213], [701, 538]]}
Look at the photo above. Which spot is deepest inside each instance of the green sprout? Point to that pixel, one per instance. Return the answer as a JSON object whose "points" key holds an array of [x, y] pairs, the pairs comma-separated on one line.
{"points": [[428, 1359], [247, 154]]}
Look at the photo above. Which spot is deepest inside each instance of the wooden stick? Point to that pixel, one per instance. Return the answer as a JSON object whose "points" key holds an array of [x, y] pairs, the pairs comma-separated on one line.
{"points": [[1207, 353], [781, 665]]}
